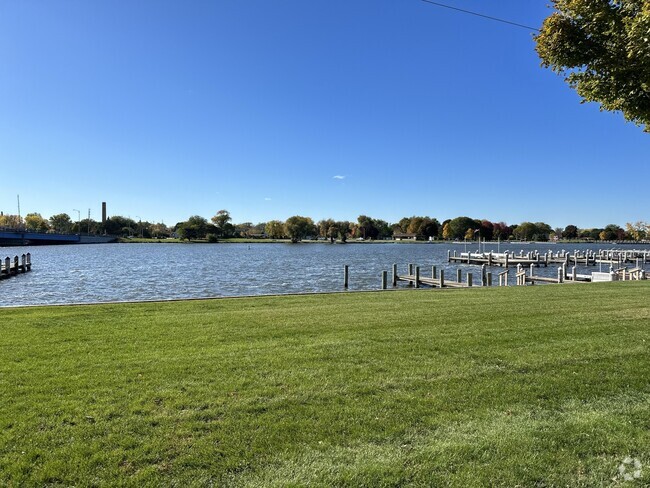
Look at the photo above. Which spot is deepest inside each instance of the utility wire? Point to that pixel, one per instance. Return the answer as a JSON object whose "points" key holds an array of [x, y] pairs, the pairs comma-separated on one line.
{"points": [[496, 19]]}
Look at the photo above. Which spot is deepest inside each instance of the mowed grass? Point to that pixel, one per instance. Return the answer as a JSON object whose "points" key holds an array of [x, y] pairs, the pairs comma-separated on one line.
{"points": [[528, 386]]}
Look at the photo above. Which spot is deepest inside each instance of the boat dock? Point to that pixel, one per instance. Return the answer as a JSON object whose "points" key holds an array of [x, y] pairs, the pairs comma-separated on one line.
{"points": [[11, 267], [577, 258], [524, 275]]}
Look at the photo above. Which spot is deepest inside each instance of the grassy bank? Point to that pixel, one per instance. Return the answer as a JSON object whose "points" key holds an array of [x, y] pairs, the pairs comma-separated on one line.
{"points": [[534, 386]]}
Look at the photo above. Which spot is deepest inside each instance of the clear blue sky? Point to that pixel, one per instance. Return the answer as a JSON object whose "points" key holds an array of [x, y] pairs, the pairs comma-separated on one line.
{"points": [[271, 108]]}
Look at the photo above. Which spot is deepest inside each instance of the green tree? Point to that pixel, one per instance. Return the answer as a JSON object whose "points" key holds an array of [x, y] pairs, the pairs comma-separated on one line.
{"points": [[222, 223], [244, 229], [366, 228], [61, 222], [525, 231], [327, 228], [196, 227], [343, 230], [297, 227], [570, 232], [601, 48], [118, 225], [458, 226]]}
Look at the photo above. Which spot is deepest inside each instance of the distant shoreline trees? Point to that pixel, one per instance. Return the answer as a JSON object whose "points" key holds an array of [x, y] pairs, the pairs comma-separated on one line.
{"points": [[297, 228]]}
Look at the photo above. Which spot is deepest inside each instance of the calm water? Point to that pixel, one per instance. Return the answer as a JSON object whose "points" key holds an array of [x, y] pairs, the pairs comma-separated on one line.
{"points": [[110, 272]]}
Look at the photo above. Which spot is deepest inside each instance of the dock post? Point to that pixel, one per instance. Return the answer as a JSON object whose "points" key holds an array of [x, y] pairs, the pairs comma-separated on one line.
{"points": [[489, 258], [506, 259], [29, 259], [459, 275], [394, 275], [442, 278], [574, 273], [560, 275], [489, 278], [434, 272], [532, 266], [483, 275], [346, 275], [469, 257], [564, 275], [15, 264], [23, 263], [469, 280], [384, 279], [448, 255], [410, 271], [7, 266], [417, 277]]}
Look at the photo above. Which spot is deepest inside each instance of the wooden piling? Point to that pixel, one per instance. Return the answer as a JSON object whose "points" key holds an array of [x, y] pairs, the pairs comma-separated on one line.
{"points": [[459, 275], [394, 275], [442, 278], [489, 278], [346, 275], [384, 279], [469, 280], [417, 277]]}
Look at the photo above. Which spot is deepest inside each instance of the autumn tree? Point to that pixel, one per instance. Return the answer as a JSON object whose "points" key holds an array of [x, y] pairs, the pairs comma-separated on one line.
{"points": [[446, 231], [35, 222], [638, 230], [601, 48], [12, 221], [274, 229]]}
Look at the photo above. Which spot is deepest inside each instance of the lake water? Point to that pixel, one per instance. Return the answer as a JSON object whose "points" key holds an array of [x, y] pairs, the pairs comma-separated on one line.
{"points": [[125, 272]]}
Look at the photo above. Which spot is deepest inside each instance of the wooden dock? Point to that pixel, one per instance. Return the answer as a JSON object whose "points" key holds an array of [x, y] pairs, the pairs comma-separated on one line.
{"points": [[577, 258], [437, 279], [11, 267]]}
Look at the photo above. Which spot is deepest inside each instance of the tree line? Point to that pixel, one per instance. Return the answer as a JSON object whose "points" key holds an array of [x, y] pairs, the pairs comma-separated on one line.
{"points": [[297, 228]]}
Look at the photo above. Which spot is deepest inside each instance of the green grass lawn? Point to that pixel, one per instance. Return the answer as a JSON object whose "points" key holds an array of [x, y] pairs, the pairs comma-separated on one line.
{"points": [[527, 386]]}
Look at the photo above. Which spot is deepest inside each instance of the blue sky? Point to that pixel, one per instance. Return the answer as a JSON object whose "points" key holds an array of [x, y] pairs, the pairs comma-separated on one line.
{"points": [[272, 108]]}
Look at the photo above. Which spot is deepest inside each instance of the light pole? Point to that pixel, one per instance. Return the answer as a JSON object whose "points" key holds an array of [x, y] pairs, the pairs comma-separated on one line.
{"points": [[78, 220]]}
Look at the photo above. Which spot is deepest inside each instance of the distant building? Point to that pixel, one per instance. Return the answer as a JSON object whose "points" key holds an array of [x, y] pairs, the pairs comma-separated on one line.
{"points": [[406, 236]]}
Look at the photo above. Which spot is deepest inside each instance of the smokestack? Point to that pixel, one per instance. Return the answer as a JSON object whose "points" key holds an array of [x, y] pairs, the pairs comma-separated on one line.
{"points": [[103, 213]]}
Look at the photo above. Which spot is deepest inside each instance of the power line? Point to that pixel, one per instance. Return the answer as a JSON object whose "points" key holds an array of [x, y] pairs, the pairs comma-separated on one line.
{"points": [[496, 19]]}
